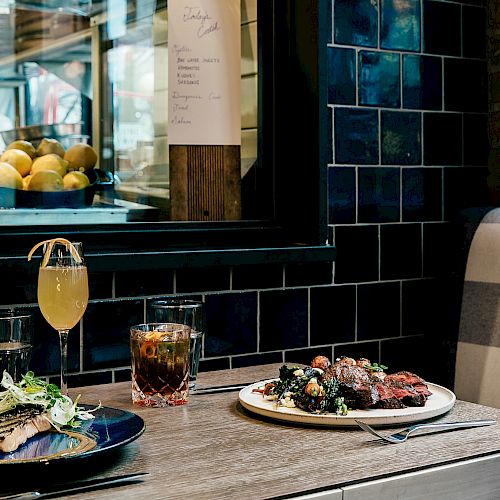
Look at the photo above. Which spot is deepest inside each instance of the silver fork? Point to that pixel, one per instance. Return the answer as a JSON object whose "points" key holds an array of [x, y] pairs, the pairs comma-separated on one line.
{"points": [[402, 436]]}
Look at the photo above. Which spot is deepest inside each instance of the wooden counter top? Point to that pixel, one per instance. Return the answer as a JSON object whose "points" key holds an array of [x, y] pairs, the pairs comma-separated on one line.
{"points": [[213, 448]]}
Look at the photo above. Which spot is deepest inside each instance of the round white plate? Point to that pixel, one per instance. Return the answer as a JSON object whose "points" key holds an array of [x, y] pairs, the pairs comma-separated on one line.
{"points": [[441, 401]]}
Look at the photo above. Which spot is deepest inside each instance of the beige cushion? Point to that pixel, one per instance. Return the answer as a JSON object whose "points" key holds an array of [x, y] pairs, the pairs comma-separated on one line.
{"points": [[477, 373]]}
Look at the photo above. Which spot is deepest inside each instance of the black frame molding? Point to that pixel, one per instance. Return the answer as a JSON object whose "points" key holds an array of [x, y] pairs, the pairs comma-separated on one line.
{"points": [[292, 168]]}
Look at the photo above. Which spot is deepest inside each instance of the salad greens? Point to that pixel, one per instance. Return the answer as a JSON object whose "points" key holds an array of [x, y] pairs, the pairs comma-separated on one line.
{"points": [[59, 409], [300, 387]]}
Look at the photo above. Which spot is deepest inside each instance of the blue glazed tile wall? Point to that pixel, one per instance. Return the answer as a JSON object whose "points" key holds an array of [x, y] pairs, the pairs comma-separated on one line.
{"points": [[407, 118], [410, 157]]}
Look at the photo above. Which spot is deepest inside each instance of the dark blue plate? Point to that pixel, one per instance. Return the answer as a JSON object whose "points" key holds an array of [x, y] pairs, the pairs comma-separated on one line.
{"points": [[109, 429]]}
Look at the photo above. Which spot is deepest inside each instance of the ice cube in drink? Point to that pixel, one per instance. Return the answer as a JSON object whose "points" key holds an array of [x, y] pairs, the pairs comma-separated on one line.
{"points": [[160, 364]]}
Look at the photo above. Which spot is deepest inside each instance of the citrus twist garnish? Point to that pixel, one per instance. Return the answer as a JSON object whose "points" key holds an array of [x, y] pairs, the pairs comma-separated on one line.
{"points": [[50, 243]]}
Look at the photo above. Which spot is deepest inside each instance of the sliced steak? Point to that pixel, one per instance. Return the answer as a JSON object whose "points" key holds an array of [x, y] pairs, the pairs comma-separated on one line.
{"points": [[20, 424], [355, 383], [387, 398], [407, 378], [405, 393]]}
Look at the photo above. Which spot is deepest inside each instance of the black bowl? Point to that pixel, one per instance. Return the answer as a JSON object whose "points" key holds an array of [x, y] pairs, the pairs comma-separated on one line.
{"points": [[76, 198]]}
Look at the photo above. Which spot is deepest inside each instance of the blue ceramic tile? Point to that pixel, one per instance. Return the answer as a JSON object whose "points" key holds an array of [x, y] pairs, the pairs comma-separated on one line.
{"points": [[257, 276], [231, 324], [378, 76], [378, 311], [400, 25], [22, 286], [123, 375], [333, 314], [422, 82], [106, 332], [356, 136], [265, 358], [357, 254], [439, 248], [329, 141], [474, 32], [341, 76], [100, 285], [308, 273], [401, 138], [442, 139], [368, 350], [202, 279], [45, 357], [465, 188], [305, 356], [209, 365], [421, 306], [283, 320], [341, 195], [356, 22], [442, 28], [400, 251], [378, 194], [136, 283], [84, 379], [465, 85], [476, 142], [422, 194], [329, 16], [416, 350]]}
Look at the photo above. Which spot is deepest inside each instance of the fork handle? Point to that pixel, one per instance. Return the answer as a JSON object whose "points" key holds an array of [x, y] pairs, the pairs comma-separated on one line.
{"points": [[450, 425]]}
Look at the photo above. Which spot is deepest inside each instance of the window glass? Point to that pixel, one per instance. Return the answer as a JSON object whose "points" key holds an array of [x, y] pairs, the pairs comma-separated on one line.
{"points": [[95, 75]]}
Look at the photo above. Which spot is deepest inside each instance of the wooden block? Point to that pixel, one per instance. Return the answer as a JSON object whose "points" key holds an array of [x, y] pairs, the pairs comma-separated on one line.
{"points": [[205, 183]]}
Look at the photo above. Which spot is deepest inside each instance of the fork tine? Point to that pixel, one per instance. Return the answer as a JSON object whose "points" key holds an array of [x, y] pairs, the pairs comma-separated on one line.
{"points": [[372, 431]]}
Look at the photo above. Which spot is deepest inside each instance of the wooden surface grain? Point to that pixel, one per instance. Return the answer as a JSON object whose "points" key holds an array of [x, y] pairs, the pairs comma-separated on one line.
{"points": [[213, 448]]}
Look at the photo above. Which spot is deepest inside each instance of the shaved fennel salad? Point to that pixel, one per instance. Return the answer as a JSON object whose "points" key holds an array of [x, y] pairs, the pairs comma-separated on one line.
{"points": [[60, 410]]}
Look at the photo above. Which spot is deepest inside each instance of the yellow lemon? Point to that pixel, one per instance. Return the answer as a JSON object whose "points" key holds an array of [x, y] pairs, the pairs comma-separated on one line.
{"points": [[25, 146], [81, 157], [75, 180], [50, 162], [10, 177], [20, 160], [49, 146], [46, 180], [26, 181]]}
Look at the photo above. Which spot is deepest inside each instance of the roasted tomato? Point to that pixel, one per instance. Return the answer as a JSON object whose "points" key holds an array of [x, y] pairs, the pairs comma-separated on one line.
{"points": [[321, 362]]}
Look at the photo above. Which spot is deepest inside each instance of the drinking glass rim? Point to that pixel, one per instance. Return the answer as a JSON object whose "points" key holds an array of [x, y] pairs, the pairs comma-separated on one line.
{"points": [[177, 304], [17, 316], [151, 325]]}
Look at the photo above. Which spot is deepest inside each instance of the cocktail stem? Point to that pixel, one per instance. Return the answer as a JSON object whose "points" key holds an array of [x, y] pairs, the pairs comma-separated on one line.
{"points": [[63, 339]]}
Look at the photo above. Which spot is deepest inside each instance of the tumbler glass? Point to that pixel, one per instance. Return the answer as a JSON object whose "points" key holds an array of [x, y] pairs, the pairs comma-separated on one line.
{"points": [[16, 343], [189, 313]]}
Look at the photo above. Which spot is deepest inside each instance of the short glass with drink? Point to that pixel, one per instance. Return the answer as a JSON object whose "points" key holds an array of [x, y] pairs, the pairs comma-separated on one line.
{"points": [[16, 338], [189, 313], [160, 364]]}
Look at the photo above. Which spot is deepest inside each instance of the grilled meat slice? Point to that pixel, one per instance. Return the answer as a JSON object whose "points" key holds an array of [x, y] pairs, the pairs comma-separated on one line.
{"points": [[20, 424], [408, 378], [355, 383], [387, 398], [406, 393]]}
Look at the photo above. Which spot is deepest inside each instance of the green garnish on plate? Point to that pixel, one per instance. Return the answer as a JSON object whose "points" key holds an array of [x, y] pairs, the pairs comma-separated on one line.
{"points": [[60, 410]]}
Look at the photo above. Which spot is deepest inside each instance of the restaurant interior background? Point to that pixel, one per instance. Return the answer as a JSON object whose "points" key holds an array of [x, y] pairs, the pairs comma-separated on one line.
{"points": [[407, 168]]}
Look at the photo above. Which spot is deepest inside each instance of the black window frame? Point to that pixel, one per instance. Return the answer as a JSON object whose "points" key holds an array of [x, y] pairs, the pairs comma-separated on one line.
{"points": [[292, 148]]}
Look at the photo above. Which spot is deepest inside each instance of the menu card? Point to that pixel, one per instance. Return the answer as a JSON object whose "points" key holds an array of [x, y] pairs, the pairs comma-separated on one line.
{"points": [[204, 54]]}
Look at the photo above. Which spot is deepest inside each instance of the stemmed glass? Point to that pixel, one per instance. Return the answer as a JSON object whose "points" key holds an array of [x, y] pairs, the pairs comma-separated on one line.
{"points": [[63, 292]]}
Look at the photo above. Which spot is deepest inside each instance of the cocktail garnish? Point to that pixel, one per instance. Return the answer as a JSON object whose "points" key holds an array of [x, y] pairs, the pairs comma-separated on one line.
{"points": [[69, 246]]}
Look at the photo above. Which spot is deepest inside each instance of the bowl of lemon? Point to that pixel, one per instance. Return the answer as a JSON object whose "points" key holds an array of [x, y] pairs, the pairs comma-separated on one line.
{"points": [[48, 176]]}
